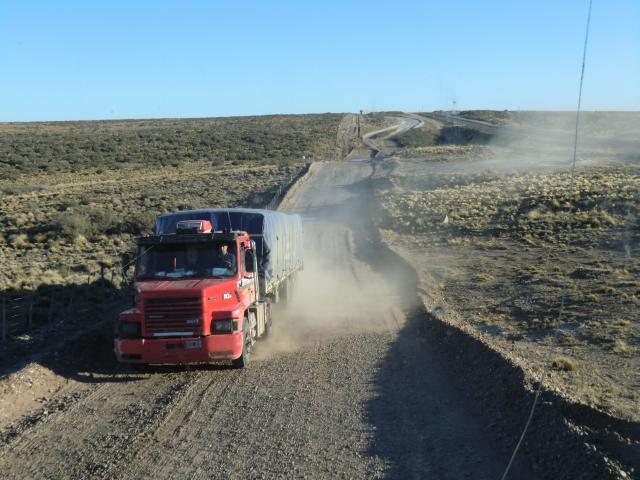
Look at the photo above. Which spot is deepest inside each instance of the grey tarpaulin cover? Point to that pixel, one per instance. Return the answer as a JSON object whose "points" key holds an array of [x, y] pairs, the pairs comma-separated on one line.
{"points": [[278, 235]]}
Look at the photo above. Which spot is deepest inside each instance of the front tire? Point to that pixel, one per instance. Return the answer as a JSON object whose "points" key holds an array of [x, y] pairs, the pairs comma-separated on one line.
{"points": [[243, 360], [141, 367]]}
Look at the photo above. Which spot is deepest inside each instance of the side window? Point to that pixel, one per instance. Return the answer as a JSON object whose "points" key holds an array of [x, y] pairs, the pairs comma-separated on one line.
{"points": [[241, 260]]}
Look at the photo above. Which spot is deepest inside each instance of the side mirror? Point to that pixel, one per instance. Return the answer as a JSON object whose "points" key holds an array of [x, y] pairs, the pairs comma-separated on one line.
{"points": [[248, 261]]}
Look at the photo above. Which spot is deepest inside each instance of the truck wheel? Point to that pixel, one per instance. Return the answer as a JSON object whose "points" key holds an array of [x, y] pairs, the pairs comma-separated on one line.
{"points": [[284, 292], [268, 321], [243, 360], [141, 367]]}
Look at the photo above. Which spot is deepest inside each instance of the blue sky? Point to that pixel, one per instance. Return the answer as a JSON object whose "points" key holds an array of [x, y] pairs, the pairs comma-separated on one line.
{"points": [[63, 60]]}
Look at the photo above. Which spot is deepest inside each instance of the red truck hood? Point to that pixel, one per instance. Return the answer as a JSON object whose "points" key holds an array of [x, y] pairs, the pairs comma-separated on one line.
{"points": [[186, 284], [217, 290]]}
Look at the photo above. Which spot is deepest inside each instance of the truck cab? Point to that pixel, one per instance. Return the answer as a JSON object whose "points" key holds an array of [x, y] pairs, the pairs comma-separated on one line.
{"points": [[197, 299]]}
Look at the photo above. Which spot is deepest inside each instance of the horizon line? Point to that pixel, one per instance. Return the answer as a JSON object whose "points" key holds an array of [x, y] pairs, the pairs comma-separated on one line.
{"points": [[390, 111]]}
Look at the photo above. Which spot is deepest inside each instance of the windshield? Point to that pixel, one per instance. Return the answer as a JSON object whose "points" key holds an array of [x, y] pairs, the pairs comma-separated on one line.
{"points": [[189, 259]]}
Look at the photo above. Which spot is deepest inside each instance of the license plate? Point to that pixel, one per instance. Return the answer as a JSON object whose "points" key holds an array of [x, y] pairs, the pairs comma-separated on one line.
{"points": [[193, 344]]}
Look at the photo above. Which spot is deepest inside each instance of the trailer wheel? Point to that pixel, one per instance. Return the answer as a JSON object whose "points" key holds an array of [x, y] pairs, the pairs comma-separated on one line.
{"points": [[243, 360]]}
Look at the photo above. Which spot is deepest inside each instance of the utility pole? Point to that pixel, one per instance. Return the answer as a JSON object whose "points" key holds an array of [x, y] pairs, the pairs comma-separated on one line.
{"points": [[455, 123]]}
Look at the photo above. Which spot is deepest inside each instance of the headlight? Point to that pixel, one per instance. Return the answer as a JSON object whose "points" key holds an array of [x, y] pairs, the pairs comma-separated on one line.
{"points": [[129, 329], [226, 325]]}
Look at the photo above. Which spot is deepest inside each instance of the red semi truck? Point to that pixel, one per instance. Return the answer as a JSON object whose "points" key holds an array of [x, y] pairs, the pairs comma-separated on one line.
{"points": [[204, 284]]}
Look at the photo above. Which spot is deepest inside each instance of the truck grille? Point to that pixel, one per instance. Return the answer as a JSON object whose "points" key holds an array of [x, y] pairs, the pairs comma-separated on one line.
{"points": [[172, 316]]}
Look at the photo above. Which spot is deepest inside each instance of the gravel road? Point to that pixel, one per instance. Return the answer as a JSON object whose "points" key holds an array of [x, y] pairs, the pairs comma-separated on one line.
{"points": [[376, 140], [346, 385]]}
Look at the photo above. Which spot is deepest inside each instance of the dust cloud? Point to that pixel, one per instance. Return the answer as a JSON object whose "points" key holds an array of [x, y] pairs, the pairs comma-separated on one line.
{"points": [[533, 141], [351, 283], [545, 140], [328, 299]]}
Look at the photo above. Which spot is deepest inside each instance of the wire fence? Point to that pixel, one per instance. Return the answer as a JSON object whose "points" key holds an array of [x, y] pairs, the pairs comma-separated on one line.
{"points": [[285, 186], [21, 312]]}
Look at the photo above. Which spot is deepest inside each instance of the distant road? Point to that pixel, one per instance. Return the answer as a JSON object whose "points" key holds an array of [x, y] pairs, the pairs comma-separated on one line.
{"points": [[376, 140], [450, 119]]}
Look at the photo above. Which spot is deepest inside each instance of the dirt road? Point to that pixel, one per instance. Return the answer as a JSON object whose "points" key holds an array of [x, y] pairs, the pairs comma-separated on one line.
{"points": [[348, 385], [376, 140]]}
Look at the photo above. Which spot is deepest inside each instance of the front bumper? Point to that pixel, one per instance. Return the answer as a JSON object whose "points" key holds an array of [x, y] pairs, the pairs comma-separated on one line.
{"points": [[212, 348]]}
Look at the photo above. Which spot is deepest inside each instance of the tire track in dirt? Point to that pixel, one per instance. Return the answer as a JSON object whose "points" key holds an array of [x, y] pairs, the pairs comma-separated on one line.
{"points": [[168, 433], [85, 438], [274, 422]]}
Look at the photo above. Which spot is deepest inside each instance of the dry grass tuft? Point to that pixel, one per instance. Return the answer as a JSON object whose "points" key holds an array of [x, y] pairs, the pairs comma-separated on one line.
{"points": [[563, 364], [620, 346]]}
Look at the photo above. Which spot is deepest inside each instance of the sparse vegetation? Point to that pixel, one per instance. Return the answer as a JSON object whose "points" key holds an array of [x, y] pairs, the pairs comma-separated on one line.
{"points": [[75, 194], [59, 147], [419, 137], [377, 121], [518, 226]]}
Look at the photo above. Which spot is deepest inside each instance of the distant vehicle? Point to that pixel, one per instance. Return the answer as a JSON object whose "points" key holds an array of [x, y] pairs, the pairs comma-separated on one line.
{"points": [[205, 282]]}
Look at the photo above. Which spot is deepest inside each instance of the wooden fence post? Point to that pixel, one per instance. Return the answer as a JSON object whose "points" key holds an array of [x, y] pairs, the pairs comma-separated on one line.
{"points": [[51, 299], [4, 318], [113, 285], [88, 290], [30, 313]]}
